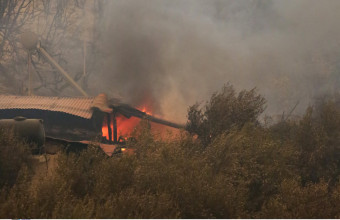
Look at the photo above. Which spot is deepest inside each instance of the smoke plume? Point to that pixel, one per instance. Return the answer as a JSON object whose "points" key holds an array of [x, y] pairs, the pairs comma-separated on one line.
{"points": [[174, 53]]}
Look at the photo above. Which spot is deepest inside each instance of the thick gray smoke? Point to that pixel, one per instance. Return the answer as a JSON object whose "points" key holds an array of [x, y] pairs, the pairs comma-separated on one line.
{"points": [[175, 53]]}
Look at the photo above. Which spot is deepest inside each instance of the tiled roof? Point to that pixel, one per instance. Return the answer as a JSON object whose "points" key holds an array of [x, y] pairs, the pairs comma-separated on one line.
{"points": [[75, 106]]}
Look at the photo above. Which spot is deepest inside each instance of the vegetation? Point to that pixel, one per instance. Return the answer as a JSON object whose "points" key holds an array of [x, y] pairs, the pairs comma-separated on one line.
{"points": [[235, 168], [224, 111]]}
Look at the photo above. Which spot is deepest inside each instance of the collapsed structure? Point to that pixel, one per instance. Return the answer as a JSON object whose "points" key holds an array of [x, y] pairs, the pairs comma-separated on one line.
{"points": [[75, 119]]}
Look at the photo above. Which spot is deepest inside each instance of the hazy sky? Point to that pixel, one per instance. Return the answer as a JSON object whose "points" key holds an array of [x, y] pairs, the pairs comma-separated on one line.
{"points": [[174, 53]]}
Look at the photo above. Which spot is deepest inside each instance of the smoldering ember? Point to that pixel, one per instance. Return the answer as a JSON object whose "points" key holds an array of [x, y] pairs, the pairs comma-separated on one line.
{"points": [[169, 109]]}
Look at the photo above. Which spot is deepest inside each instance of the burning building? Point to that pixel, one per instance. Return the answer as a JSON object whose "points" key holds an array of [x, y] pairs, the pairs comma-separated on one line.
{"points": [[74, 119], [79, 119]]}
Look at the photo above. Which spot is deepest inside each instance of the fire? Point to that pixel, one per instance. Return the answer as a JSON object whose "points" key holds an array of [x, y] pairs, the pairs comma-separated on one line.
{"points": [[125, 126], [105, 130], [144, 109]]}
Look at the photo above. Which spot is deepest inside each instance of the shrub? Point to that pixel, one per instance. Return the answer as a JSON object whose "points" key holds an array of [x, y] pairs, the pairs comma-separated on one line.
{"points": [[254, 163], [14, 154], [224, 111], [296, 201], [318, 139], [238, 170]]}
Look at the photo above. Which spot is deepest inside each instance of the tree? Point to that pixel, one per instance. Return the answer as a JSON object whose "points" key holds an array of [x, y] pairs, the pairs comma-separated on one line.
{"points": [[224, 111]]}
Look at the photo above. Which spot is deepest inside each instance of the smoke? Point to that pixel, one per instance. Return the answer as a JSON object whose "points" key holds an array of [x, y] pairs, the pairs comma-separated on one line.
{"points": [[174, 53]]}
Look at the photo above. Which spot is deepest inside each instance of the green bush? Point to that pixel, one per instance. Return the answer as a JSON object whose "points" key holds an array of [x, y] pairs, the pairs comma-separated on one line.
{"points": [[224, 111]]}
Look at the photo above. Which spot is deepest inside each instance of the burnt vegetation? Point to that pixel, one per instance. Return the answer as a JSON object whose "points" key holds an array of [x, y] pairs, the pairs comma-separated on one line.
{"points": [[234, 167]]}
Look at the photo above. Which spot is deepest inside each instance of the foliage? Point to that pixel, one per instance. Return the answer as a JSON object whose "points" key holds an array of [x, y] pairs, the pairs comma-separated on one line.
{"points": [[224, 111], [305, 202], [287, 170], [14, 155], [318, 139]]}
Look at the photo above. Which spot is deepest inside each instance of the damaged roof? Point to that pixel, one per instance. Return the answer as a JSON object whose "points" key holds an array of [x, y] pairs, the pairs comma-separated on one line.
{"points": [[82, 106], [78, 106]]}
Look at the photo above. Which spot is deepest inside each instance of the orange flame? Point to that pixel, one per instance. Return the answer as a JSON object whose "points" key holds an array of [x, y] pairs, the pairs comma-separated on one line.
{"points": [[145, 110], [125, 126], [105, 130]]}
